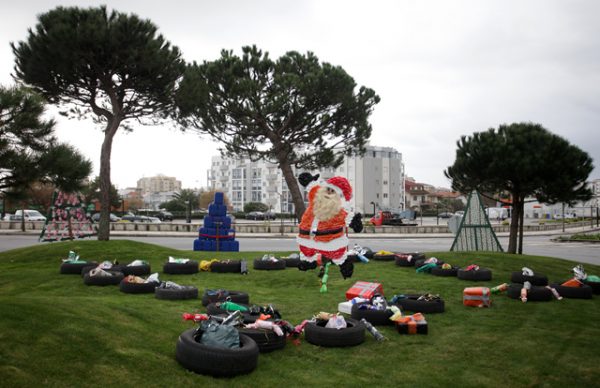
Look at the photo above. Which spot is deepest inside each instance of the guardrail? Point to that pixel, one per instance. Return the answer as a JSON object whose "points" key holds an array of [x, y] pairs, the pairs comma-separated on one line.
{"points": [[275, 227]]}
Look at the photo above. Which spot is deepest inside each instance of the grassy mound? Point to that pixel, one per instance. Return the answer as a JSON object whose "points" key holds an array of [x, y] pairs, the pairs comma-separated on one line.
{"points": [[57, 331]]}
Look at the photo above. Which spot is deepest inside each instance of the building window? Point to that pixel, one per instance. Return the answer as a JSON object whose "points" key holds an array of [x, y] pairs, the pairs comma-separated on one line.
{"points": [[385, 195], [385, 183], [374, 154], [377, 195]]}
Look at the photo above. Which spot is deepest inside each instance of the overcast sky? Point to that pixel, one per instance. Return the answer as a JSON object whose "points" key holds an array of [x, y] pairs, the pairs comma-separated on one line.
{"points": [[442, 69]]}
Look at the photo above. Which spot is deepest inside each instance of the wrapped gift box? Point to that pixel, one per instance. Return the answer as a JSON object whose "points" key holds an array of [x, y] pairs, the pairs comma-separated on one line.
{"points": [[364, 290], [477, 297]]}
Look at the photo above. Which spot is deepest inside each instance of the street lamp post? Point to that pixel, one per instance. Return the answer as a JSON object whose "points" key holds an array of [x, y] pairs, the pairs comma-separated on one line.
{"points": [[189, 212], [373, 203]]}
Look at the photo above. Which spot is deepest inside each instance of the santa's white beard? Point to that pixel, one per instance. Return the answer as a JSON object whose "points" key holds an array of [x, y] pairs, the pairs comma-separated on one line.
{"points": [[326, 206]]}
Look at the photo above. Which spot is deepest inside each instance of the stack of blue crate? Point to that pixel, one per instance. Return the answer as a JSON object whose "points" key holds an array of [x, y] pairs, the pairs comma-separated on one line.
{"points": [[216, 234]]}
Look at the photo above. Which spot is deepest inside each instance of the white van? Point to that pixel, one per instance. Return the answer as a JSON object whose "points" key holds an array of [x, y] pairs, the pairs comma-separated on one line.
{"points": [[30, 215], [496, 213]]}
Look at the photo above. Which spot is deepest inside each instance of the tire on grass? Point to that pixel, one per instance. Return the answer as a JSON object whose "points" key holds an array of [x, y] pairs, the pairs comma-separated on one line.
{"points": [[213, 361], [595, 286], [181, 268], [268, 265], [266, 340], [379, 257], [535, 294], [318, 334], [403, 261], [103, 280], [535, 280], [411, 303], [583, 292], [137, 270], [115, 268], [234, 296], [421, 262], [75, 268], [439, 271], [137, 288], [176, 294], [232, 266], [293, 263], [374, 317], [482, 274]]}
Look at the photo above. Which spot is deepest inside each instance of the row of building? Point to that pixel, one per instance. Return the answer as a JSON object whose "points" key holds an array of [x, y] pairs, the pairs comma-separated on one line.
{"points": [[377, 177]]}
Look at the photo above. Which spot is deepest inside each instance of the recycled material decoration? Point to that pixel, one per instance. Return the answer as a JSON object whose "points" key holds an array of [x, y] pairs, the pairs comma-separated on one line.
{"points": [[66, 219], [475, 232]]}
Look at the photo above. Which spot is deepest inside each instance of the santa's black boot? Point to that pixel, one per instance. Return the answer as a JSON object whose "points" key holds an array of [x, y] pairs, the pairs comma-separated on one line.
{"points": [[347, 269]]}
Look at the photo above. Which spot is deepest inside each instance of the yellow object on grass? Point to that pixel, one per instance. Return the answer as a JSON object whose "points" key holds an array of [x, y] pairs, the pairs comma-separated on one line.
{"points": [[205, 264]]}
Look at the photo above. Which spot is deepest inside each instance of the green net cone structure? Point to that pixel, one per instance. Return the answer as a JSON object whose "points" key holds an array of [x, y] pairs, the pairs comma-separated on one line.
{"points": [[475, 232]]}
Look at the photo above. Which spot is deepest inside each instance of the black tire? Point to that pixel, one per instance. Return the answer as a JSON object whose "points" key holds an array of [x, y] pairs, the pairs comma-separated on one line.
{"points": [[535, 294], [402, 260], [268, 265], [439, 271], [103, 280], [266, 340], [482, 274], [374, 317], [219, 362], [235, 296], [317, 334], [293, 263], [421, 262], [233, 266], [595, 286], [583, 292], [368, 253], [416, 256], [174, 294], [114, 268], [137, 288], [411, 303], [213, 309], [378, 257], [137, 270], [535, 280], [181, 268], [75, 268]]}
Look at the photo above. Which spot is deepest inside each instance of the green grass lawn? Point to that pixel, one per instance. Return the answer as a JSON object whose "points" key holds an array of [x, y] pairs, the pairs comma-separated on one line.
{"points": [[56, 331]]}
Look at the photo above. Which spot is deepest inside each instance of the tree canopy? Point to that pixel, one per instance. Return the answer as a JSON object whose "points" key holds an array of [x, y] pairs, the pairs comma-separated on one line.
{"points": [[108, 66], [293, 111], [524, 159], [29, 151]]}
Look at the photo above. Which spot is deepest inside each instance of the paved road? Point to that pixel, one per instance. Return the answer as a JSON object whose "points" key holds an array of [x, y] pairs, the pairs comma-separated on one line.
{"points": [[534, 245]]}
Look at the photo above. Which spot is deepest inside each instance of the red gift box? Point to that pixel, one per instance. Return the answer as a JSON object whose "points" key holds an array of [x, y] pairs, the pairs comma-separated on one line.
{"points": [[364, 290]]}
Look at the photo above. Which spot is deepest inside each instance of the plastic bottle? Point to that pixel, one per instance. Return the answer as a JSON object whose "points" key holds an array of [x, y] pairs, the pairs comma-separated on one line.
{"points": [[378, 336]]}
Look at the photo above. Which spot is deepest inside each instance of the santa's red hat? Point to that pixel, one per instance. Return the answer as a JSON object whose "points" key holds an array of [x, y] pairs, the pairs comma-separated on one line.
{"points": [[341, 186]]}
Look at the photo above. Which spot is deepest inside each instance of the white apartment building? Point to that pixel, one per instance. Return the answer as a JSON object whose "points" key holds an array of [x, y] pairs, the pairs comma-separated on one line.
{"points": [[377, 178], [158, 184]]}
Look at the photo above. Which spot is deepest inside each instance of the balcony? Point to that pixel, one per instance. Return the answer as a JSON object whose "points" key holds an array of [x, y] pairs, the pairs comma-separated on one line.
{"points": [[271, 177]]}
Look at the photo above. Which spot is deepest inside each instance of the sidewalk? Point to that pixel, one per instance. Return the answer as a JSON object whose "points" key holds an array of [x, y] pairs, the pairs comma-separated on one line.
{"points": [[114, 233]]}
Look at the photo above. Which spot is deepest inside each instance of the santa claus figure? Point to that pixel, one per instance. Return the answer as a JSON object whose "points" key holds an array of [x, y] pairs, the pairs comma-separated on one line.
{"points": [[322, 230]]}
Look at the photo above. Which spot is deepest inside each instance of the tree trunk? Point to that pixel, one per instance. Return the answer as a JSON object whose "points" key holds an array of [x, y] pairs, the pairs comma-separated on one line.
{"points": [[104, 225], [521, 216], [292, 184], [514, 225]]}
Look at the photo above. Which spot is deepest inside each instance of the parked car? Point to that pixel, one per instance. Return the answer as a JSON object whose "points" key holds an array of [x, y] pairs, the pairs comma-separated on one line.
{"points": [[131, 218], [270, 216], [459, 213], [30, 215], [113, 218], [155, 220], [445, 215], [165, 216], [9, 217], [389, 218], [255, 216]]}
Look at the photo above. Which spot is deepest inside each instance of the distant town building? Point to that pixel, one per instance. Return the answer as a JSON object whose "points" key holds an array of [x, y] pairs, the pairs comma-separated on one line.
{"points": [[158, 184], [377, 178]]}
